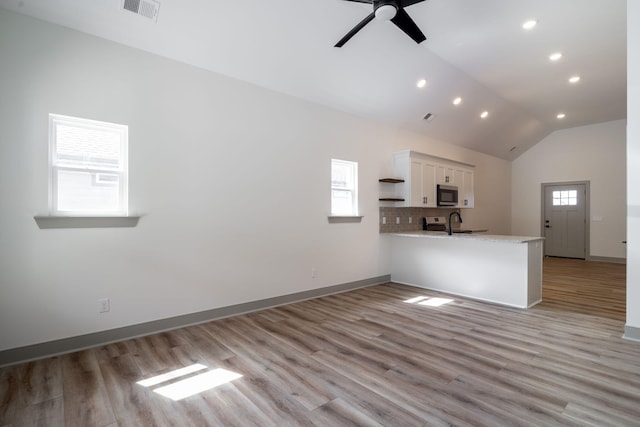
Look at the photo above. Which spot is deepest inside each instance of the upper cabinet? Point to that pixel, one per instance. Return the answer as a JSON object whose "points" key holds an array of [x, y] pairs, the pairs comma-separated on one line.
{"points": [[465, 189], [423, 176], [419, 187], [445, 174], [422, 173]]}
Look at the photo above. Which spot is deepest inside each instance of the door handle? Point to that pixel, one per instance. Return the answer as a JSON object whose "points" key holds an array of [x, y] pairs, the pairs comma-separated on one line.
{"points": [[547, 226]]}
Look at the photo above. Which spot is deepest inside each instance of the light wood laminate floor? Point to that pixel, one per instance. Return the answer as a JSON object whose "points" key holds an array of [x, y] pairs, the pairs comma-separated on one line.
{"points": [[363, 358]]}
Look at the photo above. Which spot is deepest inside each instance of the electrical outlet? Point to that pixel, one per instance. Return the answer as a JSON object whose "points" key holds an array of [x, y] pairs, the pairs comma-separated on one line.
{"points": [[314, 273], [397, 220], [103, 305]]}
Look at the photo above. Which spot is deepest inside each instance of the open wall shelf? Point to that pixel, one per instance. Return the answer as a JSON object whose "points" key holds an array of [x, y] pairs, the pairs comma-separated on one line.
{"points": [[391, 181]]}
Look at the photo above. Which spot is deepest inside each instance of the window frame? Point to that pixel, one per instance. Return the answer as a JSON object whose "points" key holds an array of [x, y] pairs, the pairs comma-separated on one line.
{"points": [[122, 208], [353, 189]]}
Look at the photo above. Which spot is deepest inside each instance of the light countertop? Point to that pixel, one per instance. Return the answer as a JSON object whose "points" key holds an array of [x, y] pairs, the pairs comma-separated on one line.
{"points": [[468, 236]]}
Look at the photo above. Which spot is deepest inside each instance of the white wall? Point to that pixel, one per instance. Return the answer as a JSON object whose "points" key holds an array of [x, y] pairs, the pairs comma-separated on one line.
{"points": [[594, 153], [232, 180], [633, 164]]}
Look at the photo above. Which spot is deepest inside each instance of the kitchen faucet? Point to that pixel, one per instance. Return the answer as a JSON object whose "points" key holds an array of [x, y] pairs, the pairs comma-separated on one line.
{"points": [[459, 220]]}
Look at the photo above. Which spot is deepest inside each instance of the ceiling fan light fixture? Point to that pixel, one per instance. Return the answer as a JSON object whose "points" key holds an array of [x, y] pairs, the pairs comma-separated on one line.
{"points": [[386, 12]]}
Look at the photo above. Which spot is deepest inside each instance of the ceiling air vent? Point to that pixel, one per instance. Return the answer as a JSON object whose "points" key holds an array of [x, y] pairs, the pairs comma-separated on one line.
{"points": [[429, 117], [147, 8]]}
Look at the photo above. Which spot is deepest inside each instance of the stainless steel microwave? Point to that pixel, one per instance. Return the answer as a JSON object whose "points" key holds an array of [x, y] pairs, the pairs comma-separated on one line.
{"points": [[447, 195]]}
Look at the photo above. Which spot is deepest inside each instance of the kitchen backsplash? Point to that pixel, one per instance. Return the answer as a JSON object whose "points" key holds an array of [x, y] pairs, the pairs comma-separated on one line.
{"points": [[395, 220]]}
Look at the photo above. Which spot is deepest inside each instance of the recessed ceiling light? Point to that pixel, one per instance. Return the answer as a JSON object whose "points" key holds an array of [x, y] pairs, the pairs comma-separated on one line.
{"points": [[457, 101], [561, 116], [484, 114], [529, 24], [574, 79], [421, 83], [555, 56]]}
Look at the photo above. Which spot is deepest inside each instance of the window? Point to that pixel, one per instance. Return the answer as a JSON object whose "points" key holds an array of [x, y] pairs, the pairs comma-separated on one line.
{"points": [[344, 188], [87, 167], [565, 198]]}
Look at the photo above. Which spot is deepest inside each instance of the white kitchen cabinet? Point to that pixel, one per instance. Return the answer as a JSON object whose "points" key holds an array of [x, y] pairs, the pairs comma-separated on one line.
{"points": [[423, 191], [465, 190], [458, 178], [445, 174], [419, 187], [422, 173]]}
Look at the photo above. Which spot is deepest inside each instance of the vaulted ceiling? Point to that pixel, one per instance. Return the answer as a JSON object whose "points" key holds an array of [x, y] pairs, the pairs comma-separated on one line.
{"points": [[475, 49]]}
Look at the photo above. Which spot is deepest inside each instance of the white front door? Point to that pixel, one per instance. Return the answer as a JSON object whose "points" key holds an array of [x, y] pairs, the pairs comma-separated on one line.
{"points": [[565, 220]]}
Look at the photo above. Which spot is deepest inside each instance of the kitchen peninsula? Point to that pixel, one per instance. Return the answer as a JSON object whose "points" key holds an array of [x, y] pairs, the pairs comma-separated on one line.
{"points": [[500, 269]]}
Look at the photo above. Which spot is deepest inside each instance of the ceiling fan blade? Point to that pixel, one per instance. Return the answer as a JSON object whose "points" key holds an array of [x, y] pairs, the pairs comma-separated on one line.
{"points": [[406, 24], [355, 29], [405, 3]]}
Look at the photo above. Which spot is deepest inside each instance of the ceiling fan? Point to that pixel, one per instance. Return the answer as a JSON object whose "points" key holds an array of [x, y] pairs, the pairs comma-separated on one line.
{"points": [[388, 10]]}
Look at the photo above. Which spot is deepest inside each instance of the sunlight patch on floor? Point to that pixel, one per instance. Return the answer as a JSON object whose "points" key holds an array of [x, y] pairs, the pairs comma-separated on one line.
{"points": [[429, 301], [435, 302], [189, 386], [172, 375]]}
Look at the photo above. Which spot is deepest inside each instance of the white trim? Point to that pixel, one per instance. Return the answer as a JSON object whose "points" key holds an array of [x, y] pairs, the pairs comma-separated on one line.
{"points": [[411, 153], [335, 219], [47, 221]]}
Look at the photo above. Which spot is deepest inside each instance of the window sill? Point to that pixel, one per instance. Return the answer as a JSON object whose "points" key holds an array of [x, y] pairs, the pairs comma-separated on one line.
{"points": [[45, 222], [339, 219]]}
